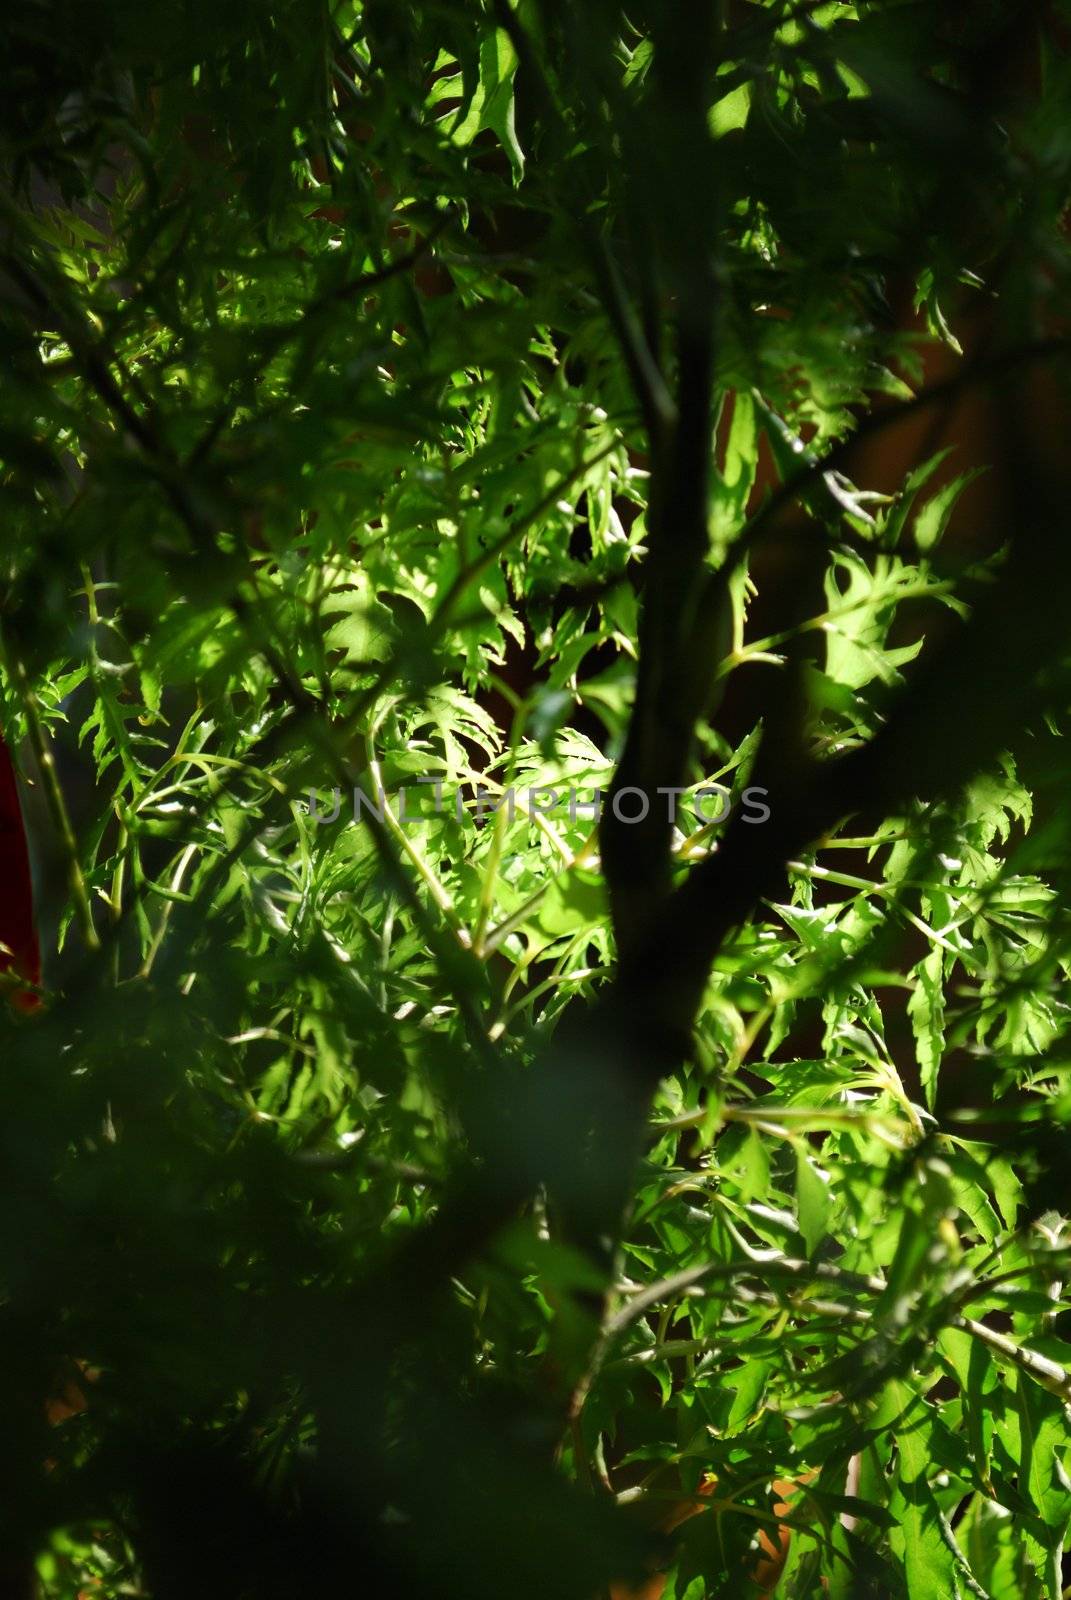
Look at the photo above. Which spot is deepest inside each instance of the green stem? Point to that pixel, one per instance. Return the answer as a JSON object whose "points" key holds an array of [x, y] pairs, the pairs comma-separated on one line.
{"points": [[55, 801]]}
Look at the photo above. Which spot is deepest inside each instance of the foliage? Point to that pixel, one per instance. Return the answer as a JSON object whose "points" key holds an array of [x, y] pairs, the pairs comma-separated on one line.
{"points": [[422, 405]]}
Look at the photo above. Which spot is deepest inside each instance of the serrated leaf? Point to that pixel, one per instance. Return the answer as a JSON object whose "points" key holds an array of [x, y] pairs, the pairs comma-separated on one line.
{"points": [[492, 104], [813, 1201], [929, 1566], [926, 1008]]}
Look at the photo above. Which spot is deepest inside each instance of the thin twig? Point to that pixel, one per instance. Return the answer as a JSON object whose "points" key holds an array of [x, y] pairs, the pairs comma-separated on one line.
{"points": [[57, 805]]}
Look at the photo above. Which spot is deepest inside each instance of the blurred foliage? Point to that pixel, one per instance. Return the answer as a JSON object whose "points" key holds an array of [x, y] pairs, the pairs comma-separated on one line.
{"points": [[341, 348]]}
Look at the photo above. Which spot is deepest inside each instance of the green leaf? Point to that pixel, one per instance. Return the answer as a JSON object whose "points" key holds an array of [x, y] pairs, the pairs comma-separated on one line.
{"points": [[366, 630], [1042, 1477], [933, 519], [731, 111], [813, 1201], [749, 1384], [929, 1565], [573, 901], [734, 481], [492, 104], [926, 1009]]}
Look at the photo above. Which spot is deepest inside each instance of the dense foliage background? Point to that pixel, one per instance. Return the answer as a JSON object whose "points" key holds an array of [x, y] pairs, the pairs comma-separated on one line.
{"points": [[419, 1193]]}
